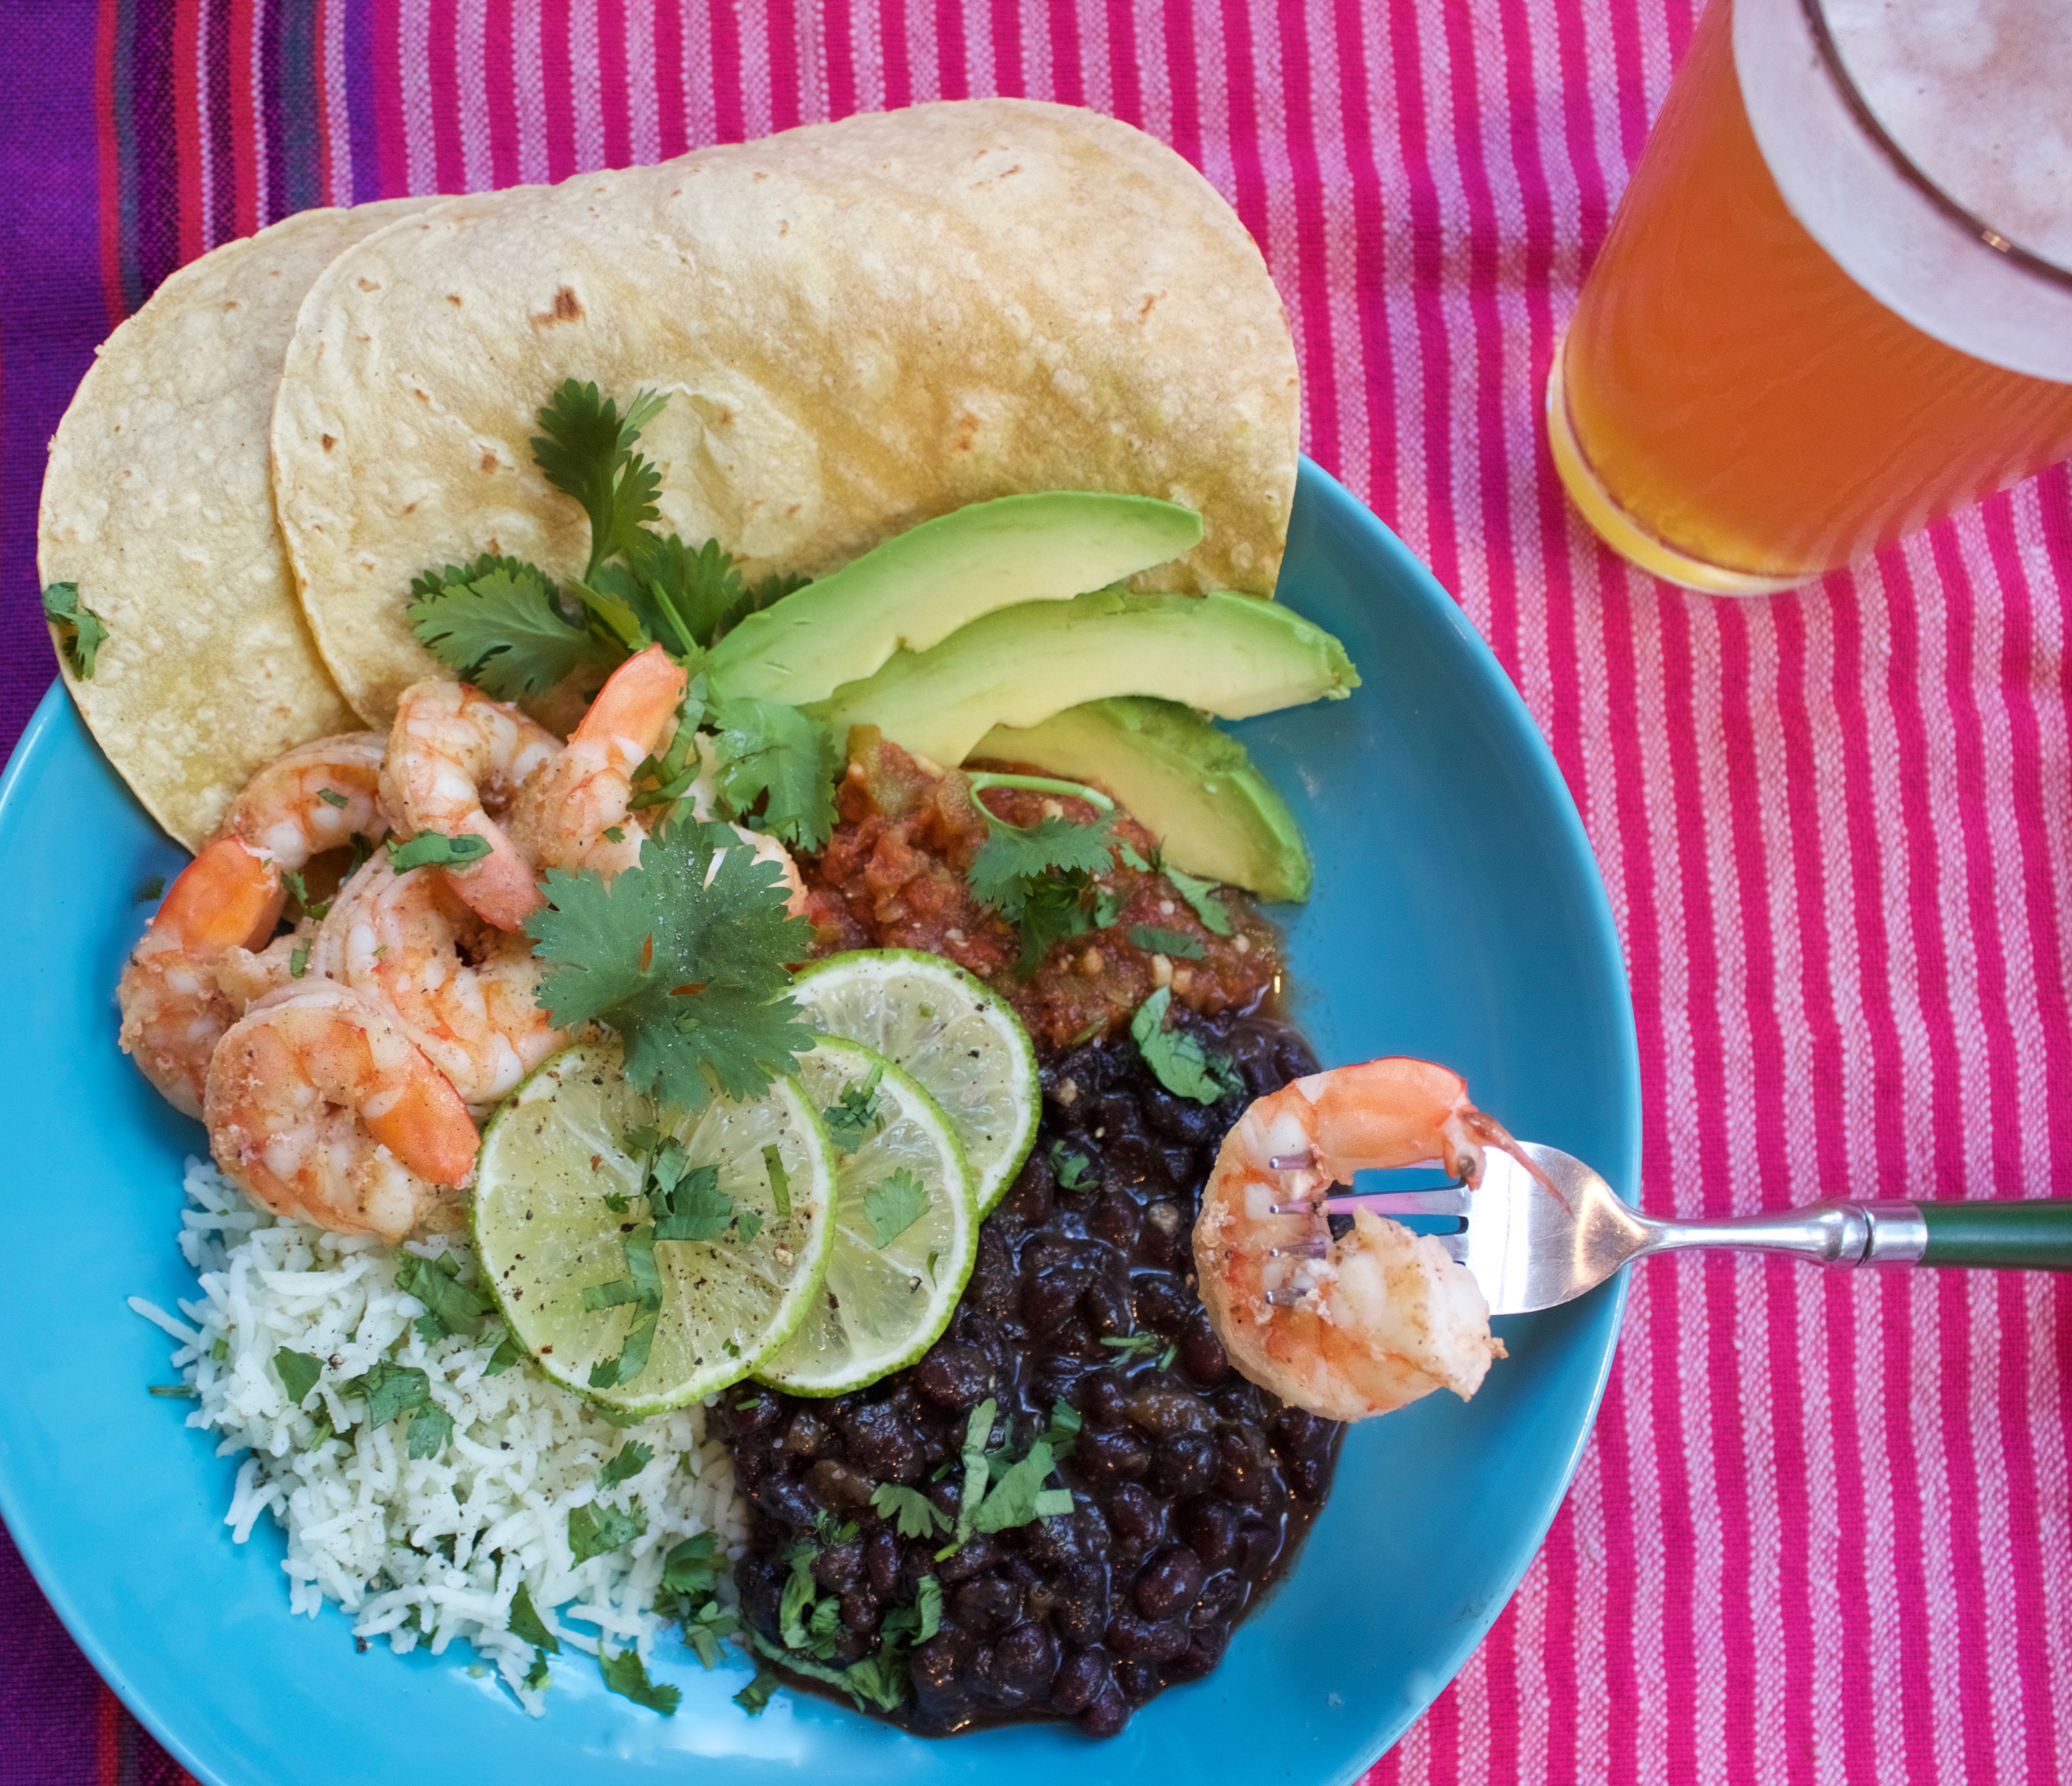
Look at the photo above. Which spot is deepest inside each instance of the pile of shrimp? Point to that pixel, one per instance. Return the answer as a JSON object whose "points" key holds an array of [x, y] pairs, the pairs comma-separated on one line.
{"points": [[342, 1068]]}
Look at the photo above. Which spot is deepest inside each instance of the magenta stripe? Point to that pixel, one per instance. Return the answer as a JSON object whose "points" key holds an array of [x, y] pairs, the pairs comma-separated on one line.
{"points": [[841, 51], [672, 78], [899, 71], [561, 102], [1068, 83], [1125, 82], [953, 57], [726, 87], [1184, 71], [614, 84], [450, 167], [1311, 316], [784, 67], [500, 80]]}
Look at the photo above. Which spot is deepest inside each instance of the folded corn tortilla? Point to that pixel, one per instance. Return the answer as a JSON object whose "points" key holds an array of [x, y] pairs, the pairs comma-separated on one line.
{"points": [[860, 326], [157, 503]]}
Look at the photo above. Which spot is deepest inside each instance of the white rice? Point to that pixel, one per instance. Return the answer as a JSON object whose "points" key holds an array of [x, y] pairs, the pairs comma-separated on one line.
{"points": [[420, 1549]]}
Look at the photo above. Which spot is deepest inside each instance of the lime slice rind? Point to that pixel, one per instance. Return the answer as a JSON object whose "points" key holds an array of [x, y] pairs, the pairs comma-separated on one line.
{"points": [[544, 1233], [882, 1307], [952, 1033]]}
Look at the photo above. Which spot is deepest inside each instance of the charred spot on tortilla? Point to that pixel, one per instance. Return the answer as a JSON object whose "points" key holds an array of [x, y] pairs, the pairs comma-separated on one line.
{"points": [[567, 308]]}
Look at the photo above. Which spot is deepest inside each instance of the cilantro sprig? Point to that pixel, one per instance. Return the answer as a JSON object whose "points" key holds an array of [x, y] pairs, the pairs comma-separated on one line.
{"points": [[685, 961], [81, 632], [1040, 878], [1182, 1065]]}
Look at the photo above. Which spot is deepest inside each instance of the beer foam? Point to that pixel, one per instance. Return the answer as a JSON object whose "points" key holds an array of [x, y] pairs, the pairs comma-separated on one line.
{"points": [[1976, 93]]}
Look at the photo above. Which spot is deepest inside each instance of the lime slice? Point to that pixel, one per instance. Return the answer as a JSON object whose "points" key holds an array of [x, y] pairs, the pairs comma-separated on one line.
{"points": [[888, 1294], [963, 1044], [544, 1234]]}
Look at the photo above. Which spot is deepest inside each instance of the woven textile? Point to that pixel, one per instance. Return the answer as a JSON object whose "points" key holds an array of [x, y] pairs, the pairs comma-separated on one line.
{"points": [[1821, 1533]]}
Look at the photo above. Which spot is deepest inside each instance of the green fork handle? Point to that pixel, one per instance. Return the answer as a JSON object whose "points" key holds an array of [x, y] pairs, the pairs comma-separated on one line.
{"points": [[2017, 1234]]}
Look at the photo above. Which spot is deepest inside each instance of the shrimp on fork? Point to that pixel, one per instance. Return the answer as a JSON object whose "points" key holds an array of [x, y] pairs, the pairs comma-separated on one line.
{"points": [[1366, 1324], [321, 1109]]}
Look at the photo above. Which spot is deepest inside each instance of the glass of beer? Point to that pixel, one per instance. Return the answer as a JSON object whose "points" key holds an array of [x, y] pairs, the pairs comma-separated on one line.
{"points": [[1834, 304]]}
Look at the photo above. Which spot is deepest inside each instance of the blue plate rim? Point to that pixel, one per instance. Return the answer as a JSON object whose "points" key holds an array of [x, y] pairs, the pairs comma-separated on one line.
{"points": [[1509, 711]]}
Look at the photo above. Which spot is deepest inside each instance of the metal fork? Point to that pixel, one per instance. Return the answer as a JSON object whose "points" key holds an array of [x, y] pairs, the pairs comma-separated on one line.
{"points": [[1529, 1250]]}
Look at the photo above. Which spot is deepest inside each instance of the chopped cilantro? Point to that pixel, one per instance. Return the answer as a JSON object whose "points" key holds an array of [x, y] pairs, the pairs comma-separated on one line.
{"points": [[593, 1530], [1158, 941], [694, 1209], [978, 1434], [498, 624], [148, 889], [430, 1430], [298, 1371], [796, 1602], [757, 1694], [1201, 895], [661, 781], [1040, 876], [1063, 1434], [527, 1626], [626, 1675], [1074, 1170], [1134, 1345], [704, 1629], [298, 959], [776, 754], [780, 1181], [893, 1205], [1130, 858], [81, 632], [693, 1566], [455, 1307], [912, 1513], [508, 1352], [690, 972], [747, 1224], [928, 1603], [392, 1389], [632, 1458], [1019, 1494], [852, 1118], [182, 1392], [1166, 1358], [435, 850], [1182, 1065], [539, 1677], [330, 796], [1108, 903], [587, 453], [879, 1680]]}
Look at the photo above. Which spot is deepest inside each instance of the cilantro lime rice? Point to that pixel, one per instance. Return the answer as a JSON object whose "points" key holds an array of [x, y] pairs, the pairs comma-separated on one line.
{"points": [[513, 1480]]}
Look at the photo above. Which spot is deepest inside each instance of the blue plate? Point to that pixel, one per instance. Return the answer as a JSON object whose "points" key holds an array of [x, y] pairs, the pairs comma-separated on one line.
{"points": [[1457, 915]]}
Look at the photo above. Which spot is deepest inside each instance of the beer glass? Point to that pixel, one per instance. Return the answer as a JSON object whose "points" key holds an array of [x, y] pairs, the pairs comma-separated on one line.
{"points": [[1835, 303]]}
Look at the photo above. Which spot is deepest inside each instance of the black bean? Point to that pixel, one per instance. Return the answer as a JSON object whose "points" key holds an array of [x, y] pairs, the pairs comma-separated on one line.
{"points": [[881, 1444], [1138, 1516], [1117, 1113], [1184, 1465], [761, 1585], [1051, 1542], [1137, 1639], [1210, 1526], [1106, 1715], [1259, 1548], [838, 1487], [1104, 1403], [785, 1499], [1308, 1478], [1104, 1305], [1080, 1680], [977, 1554], [1080, 1609], [1168, 1583], [1202, 1353], [1056, 1378], [860, 1611], [1179, 1119], [987, 1604], [807, 1438], [991, 1288], [1116, 1219], [1245, 1468], [1162, 1303], [1034, 1194], [954, 1376], [934, 1667], [1205, 1648], [1026, 1658], [839, 1567], [1101, 1459], [1165, 1241], [881, 1563], [1220, 1593], [1160, 1410], [1139, 1681], [754, 1417]]}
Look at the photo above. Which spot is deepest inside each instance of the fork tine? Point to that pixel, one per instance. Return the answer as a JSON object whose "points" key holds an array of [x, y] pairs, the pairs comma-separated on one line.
{"points": [[1441, 1200]]}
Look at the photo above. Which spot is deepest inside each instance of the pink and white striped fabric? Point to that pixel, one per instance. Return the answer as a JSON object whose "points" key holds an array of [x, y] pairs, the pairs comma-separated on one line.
{"points": [[1821, 1532]]}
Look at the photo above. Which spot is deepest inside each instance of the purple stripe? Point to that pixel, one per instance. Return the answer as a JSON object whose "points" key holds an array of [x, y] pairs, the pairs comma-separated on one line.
{"points": [[155, 167], [293, 155], [214, 133], [360, 104]]}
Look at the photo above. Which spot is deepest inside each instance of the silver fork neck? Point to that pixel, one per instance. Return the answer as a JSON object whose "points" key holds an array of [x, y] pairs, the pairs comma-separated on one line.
{"points": [[1834, 1232]]}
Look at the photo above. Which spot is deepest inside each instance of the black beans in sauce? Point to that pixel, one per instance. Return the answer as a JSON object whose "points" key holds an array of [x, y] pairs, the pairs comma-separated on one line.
{"points": [[1193, 1488]]}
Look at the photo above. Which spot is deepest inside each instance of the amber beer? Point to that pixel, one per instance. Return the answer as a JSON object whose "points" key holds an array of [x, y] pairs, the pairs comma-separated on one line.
{"points": [[1803, 339]]}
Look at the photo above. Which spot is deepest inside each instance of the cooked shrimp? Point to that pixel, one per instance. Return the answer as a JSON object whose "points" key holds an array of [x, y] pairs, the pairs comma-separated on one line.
{"points": [[312, 799], [1383, 1316], [577, 813], [322, 1109], [174, 1010], [463, 991], [453, 754]]}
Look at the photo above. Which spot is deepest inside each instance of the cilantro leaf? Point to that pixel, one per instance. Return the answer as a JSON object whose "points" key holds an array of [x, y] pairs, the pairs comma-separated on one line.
{"points": [[393, 1389], [1012, 1499], [539, 1677], [780, 1180], [508, 1352], [299, 1372], [81, 632], [430, 1430], [696, 591], [1063, 1434], [503, 629], [928, 1603], [593, 1530], [704, 1629], [436, 1283], [757, 1694], [877, 1680], [298, 959], [852, 1117], [1201, 895], [1010, 861], [1182, 1065], [435, 850], [631, 1459], [693, 1566], [1074, 1170], [691, 974], [1133, 1345], [912, 1513], [978, 1434], [800, 1590], [1155, 941], [587, 453], [1108, 903], [626, 1675], [526, 1625], [893, 1206], [695, 1209], [767, 749]]}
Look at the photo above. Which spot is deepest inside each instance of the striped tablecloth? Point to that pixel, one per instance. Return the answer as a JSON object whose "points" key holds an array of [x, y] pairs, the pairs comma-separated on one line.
{"points": [[1821, 1533]]}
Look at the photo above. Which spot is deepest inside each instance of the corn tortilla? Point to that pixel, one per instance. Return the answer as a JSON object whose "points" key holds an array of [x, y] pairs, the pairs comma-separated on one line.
{"points": [[157, 503], [860, 325]]}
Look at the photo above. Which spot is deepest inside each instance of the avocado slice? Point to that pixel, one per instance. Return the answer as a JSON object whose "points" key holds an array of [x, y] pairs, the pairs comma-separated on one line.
{"points": [[1232, 655], [915, 589], [1194, 788]]}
